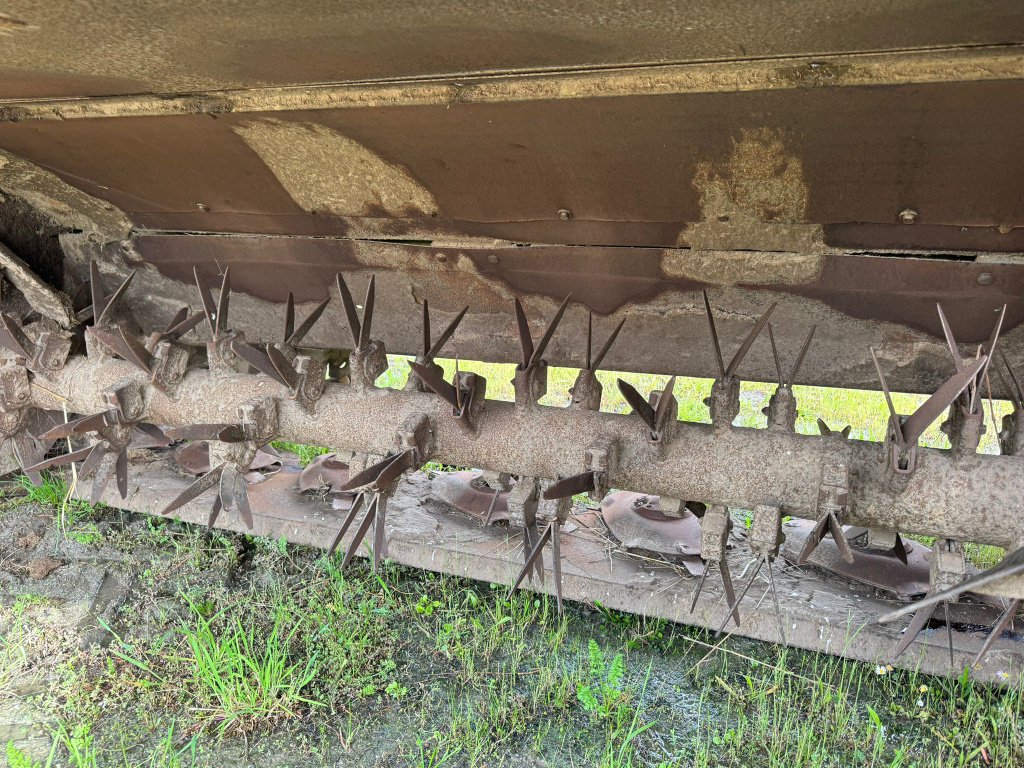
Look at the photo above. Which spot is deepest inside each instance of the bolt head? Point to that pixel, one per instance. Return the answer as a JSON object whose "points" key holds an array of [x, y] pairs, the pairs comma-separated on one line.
{"points": [[564, 214], [908, 216], [985, 278]]}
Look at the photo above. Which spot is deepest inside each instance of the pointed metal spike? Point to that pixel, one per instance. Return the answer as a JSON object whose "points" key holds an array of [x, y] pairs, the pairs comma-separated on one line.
{"points": [[448, 332], [585, 482], [381, 473], [403, 463], [533, 535], [97, 291], [179, 329], [538, 353], [100, 482], [214, 512], [900, 550], [990, 350], [458, 389], [637, 402], [289, 317], [179, 317], [242, 500], [775, 353], [379, 542], [800, 357], [426, 329], [92, 461], [14, 338], [222, 301], [730, 594], [153, 432], [734, 607], [556, 562], [364, 332], [121, 466], [198, 488], [938, 403], [917, 623], [814, 538], [525, 340], [1011, 565], [307, 325], [533, 557], [775, 599], [894, 418], [846, 431], [350, 309], [949, 634], [954, 349], [1017, 393], [209, 308], [734, 364], [58, 461], [824, 428], [77, 426], [102, 318], [590, 339], [258, 360], [997, 629], [350, 516], [435, 383], [699, 587], [360, 533], [286, 373], [845, 551], [27, 452], [714, 336], [124, 346], [664, 413], [491, 507], [599, 358]]}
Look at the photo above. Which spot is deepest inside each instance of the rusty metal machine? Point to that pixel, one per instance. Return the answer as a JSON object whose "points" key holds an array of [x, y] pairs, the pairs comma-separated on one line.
{"points": [[213, 221]]}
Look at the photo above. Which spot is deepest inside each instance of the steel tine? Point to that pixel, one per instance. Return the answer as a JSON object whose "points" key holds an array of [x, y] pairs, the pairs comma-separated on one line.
{"points": [[350, 309], [75, 427], [110, 301], [435, 383], [1011, 565], [938, 403], [556, 562], [663, 412], [845, 551], [289, 317], [223, 299], [491, 507], [538, 564], [27, 452], [599, 358], [97, 291], [730, 593], [743, 593], [917, 623], [209, 308], [542, 345], [814, 538], [714, 336], [376, 472], [92, 461], [360, 533], [214, 512], [179, 317], [533, 558], [823, 428], [121, 466], [894, 418], [570, 486], [800, 357], [258, 360], [997, 629], [699, 587], [1017, 393], [590, 339], [153, 432], [242, 500], [197, 489], [180, 329], [525, 340], [364, 332], [458, 389], [14, 338], [637, 402], [402, 463], [446, 334], [426, 329], [900, 550], [734, 364], [58, 461], [379, 542], [954, 348], [775, 599], [949, 634], [100, 482], [286, 373], [989, 352], [775, 353], [307, 325], [353, 512]]}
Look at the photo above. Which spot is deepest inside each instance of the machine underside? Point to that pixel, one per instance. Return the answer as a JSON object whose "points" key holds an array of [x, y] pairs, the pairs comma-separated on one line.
{"points": [[218, 261]]}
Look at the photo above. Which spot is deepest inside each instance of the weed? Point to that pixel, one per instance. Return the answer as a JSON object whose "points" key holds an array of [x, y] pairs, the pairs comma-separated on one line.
{"points": [[80, 745], [602, 695], [306, 453], [18, 759]]}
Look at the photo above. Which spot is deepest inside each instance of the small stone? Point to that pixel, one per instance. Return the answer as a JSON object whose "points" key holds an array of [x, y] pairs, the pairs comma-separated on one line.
{"points": [[42, 567]]}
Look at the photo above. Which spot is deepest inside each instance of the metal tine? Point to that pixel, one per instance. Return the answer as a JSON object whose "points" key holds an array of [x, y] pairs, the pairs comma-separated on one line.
{"points": [[222, 301], [585, 482], [436, 383], [121, 466], [396, 468], [214, 512], [823, 428], [997, 629], [894, 418], [800, 357], [989, 352], [76, 426], [350, 309], [458, 389], [949, 633], [426, 329], [242, 502], [775, 354], [153, 431], [944, 396], [775, 599], [364, 332], [743, 593], [814, 538], [307, 325], [730, 593], [225, 433], [446, 334], [637, 402], [379, 542], [26, 453], [538, 353], [900, 550], [714, 339], [534, 557], [197, 489], [590, 338], [917, 623], [491, 507], [14, 338], [125, 346], [180, 316], [92, 461], [382, 472], [349, 518], [285, 371], [699, 588], [209, 308], [360, 533], [747, 342], [258, 360], [112, 299], [556, 563], [100, 482], [289, 317], [532, 535], [662, 414], [837, 536], [1017, 393], [186, 325], [525, 340], [954, 348], [96, 289], [599, 358], [1011, 565], [58, 461]]}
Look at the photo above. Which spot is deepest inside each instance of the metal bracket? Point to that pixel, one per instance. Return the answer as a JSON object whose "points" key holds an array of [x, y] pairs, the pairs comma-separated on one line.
{"points": [[365, 366], [530, 384], [724, 402], [714, 533], [948, 565], [522, 503], [902, 463], [416, 435], [781, 410], [602, 459], [766, 531], [552, 510], [170, 361], [586, 391], [964, 430]]}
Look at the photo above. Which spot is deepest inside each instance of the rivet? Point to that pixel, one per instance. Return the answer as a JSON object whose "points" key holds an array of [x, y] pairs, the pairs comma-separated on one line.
{"points": [[985, 278], [493, 258], [202, 206], [564, 214], [908, 216], [441, 257]]}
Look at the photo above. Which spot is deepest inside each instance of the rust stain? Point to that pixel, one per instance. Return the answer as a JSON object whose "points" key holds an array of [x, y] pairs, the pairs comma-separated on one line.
{"points": [[327, 172], [735, 267]]}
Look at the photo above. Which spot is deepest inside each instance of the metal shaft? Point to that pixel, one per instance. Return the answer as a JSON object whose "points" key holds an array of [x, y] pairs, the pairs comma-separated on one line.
{"points": [[977, 500]]}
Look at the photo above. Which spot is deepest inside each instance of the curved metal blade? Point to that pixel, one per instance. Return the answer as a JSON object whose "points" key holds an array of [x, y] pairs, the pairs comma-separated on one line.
{"points": [[96, 291], [214, 512], [1017, 393], [59, 461], [92, 461], [814, 538], [360, 533], [289, 317], [14, 338], [900, 550], [222, 301], [938, 403], [733, 608], [525, 340], [663, 412], [778, 607], [585, 482], [380, 474], [209, 308], [124, 346], [179, 317], [76, 427], [242, 500], [121, 467], [306, 326], [350, 309], [800, 357], [349, 518], [894, 419], [426, 328], [837, 536], [997, 629], [197, 489], [590, 339], [916, 625], [435, 383], [599, 358], [100, 482], [533, 558], [990, 350], [775, 354], [179, 329], [258, 360], [538, 353], [954, 348], [379, 542], [364, 332], [286, 373], [697, 590], [446, 334], [747, 342], [153, 432], [102, 317], [637, 402], [730, 594], [714, 338], [491, 507]]}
